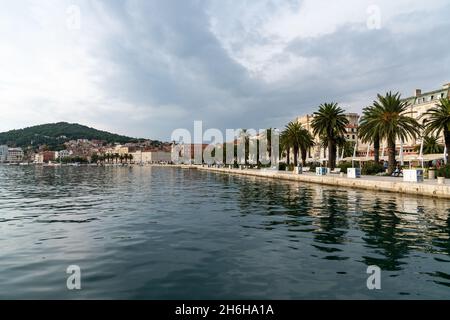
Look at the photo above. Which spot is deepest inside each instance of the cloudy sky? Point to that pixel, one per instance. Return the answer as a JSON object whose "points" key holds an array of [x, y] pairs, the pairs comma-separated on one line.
{"points": [[145, 68]]}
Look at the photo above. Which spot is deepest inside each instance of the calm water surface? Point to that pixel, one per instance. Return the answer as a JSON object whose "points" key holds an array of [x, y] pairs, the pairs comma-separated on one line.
{"points": [[165, 233]]}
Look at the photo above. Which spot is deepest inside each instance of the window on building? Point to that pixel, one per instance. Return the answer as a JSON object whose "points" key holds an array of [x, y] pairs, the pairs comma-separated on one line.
{"points": [[353, 137]]}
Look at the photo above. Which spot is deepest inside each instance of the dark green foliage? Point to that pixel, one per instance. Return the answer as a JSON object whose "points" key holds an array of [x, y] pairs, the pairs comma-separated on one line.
{"points": [[344, 166], [299, 139], [55, 134], [371, 168], [438, 120], [73, 160], [348, 146], [444, 171], [388, 120], [329, 123], [431, 145]]}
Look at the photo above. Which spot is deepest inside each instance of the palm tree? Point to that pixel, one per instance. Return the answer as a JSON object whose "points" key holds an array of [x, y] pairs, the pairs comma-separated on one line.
{"points": [[330, 122], [245, 138], [285, 144], [431, 145], [340, 142], [94, 158], [369, 133], [439, 121], [306, 142], [343, 145], [389, 119], [292, 131], [299, 139], [268, 136], [349, 146]]}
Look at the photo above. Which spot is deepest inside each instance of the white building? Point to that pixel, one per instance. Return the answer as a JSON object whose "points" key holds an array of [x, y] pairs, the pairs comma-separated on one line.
{"points": [[63, 154], [151, 157], [3, 153], [15, 155], [161, 156], [39, 158]]}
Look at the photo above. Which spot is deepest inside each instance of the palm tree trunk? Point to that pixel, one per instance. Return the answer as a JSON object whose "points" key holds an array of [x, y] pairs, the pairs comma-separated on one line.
{"points": [[334, 155], [376, 149], [447, 142], [391, 155], [331, 160], [288, 156], [295, 156], [304, 153], [247, 150]]}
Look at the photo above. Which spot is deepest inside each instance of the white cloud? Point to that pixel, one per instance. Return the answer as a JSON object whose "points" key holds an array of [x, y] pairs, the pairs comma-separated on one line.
{"points": [[144, 68], [258, 38]]}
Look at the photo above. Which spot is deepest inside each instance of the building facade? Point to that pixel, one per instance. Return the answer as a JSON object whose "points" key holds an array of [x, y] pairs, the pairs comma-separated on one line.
{"points": [[151, 157], [63, 154], [45, 157], [15, 155], [192, 151], [352, 127], [419, 104], [3, 153]]}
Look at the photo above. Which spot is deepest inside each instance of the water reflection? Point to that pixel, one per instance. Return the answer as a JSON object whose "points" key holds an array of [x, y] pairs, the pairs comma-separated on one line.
{"points": [[384, 234], [190, 234], [393, 227]]}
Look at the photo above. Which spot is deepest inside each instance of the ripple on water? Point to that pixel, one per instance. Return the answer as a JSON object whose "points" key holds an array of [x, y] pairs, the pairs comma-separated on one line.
{"points": [[167, 233]]}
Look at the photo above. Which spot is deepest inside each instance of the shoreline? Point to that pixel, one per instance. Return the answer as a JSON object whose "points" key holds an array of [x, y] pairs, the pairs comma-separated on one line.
{"points": [[371, 183]]}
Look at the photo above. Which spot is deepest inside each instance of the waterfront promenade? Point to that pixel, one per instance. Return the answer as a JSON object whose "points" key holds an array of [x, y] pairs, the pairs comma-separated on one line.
{"points": [[375, 183]]}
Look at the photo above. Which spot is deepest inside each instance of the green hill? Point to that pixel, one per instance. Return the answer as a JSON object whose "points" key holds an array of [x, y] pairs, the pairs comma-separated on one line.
{"points": [[55, 134]]}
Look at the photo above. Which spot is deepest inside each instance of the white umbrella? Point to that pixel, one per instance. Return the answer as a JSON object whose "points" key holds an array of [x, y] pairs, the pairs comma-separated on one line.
{"points": [[401, 153], [354, 155], [421, 151], [337, 155], [445, 155]]}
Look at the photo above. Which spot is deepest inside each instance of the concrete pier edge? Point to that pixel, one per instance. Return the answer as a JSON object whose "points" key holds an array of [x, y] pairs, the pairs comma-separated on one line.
{"points": [[429, 189]]}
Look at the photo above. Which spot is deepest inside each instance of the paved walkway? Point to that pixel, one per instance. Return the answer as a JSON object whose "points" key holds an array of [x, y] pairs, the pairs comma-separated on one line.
{"points": [[377, 183]]}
